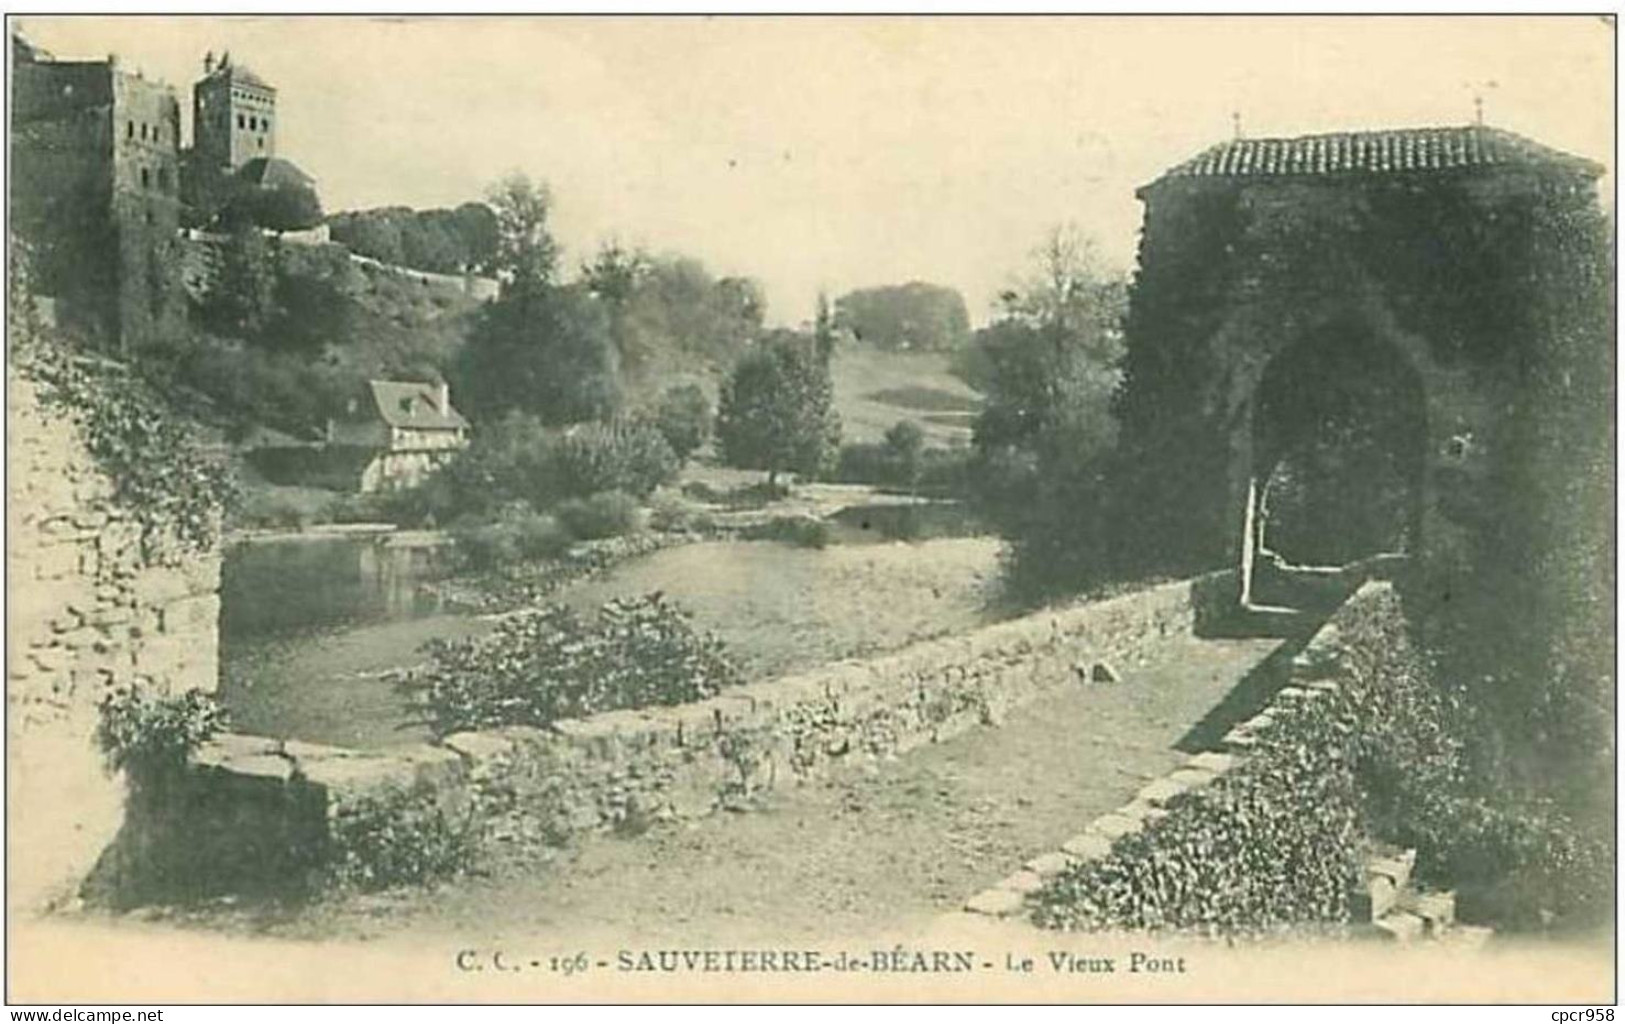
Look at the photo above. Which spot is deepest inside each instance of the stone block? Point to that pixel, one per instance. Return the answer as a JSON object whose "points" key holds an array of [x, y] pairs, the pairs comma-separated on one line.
{"points": [[1436, 909], [347, 779], [597, 736], [110, 615], [1192, 778], [1118, 824], [1396, 868], [195, 614], [433, 767], [56, 562], [1048, 865], [161, 585], [1023, 881], [248, 757], [996, 903], [1213, 761], [1379, 897], [1399, 926], [478, 748], [528, 738], [1087, 846], [1160, 791], [227, 745]]}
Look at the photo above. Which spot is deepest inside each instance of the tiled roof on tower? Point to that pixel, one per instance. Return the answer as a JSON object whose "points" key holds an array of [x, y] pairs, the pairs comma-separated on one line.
{"points": [[241, 74], [1389, 151], [274, 172]]}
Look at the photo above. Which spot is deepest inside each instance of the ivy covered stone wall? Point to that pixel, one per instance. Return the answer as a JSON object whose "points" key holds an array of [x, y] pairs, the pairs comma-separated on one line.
{"points": [[1484, 284], [1493, 287], [89, 611]]}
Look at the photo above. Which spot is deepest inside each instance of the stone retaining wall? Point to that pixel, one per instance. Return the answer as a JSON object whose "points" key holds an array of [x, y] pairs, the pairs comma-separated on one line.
{"points": [[85, 614], [1307, 679], [625, 768]]}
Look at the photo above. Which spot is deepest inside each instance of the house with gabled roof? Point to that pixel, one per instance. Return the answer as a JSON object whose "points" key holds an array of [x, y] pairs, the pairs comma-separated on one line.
{"points": [[401, 430]]}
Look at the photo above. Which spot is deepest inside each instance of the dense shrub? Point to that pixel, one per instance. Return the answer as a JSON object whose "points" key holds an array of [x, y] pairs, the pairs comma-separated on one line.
{"points": [[268, 510], [1276, 842], [605, 514], [777, 410], [508, 460], [140, 731], [937, 470], [910, 317], [518, 459], [684, 418], [517, 534], [623, 456], [398, 838], [802, 531], [671, 512], [551, 663]]}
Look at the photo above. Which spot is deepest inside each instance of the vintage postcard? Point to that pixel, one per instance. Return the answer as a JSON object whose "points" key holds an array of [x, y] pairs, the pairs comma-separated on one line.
{"points": [[909, 509]]}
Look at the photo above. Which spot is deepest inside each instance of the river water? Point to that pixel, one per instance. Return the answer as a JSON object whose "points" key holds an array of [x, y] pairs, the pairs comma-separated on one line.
{"points": [[311, 629]]}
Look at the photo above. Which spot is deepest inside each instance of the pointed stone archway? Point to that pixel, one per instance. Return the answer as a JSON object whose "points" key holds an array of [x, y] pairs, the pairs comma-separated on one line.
{"points": [[1335, 465]]}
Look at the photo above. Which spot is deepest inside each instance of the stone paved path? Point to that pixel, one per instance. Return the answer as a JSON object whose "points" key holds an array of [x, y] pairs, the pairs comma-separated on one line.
{"points": [[864, 853]]}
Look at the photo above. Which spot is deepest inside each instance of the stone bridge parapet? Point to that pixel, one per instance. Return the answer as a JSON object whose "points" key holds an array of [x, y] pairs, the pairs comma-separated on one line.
{"points": [[628, 768]]}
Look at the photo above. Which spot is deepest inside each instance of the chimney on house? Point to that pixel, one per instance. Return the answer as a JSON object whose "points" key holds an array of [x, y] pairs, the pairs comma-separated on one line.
{"points": [[445, 399]]}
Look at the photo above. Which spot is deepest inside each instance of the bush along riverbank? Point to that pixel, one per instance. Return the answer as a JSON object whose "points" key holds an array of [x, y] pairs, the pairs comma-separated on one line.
{"points": [[1375, 752], [521, 584]]}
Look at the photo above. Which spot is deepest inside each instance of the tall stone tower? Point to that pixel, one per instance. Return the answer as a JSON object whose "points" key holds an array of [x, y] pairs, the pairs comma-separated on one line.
{"points": [[233, 116], [94, 194]]}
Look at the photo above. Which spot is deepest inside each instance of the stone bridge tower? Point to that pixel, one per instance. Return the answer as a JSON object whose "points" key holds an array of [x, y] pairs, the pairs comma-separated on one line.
{"points": [[1427, 292]]}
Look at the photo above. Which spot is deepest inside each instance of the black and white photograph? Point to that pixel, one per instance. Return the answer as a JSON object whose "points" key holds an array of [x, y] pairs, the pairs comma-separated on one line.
{"points": [[782, 509]]}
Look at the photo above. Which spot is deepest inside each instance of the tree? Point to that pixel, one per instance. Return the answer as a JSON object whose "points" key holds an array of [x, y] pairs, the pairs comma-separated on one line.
{"points": [[670, 314], [824, 329], [476, 225], [1049, 367], [285, 207], [915, 316], [541, 347], [776, 411], [545, 350], [1068, 294], [372, 233], [905, 442], [428, 242], [242, 297], [526, 255], [684, 418]]}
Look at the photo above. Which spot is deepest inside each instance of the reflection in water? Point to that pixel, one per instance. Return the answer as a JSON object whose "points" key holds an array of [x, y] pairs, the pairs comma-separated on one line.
{"points": [[312, 628], [278, 587]]}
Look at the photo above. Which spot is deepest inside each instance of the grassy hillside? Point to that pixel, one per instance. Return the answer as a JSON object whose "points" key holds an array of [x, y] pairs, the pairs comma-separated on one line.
{"points": [[875, 388], [397, 323]]}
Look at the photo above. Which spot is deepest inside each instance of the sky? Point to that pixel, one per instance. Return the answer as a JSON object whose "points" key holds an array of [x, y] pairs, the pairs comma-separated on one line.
{"points": [[824, 154]]}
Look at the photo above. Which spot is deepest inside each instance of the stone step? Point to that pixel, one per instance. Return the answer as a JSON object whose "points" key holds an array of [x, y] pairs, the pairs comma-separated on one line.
{"points": [[1437, 909], [1400, 926], [1397, 868], [1387, 885]]}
